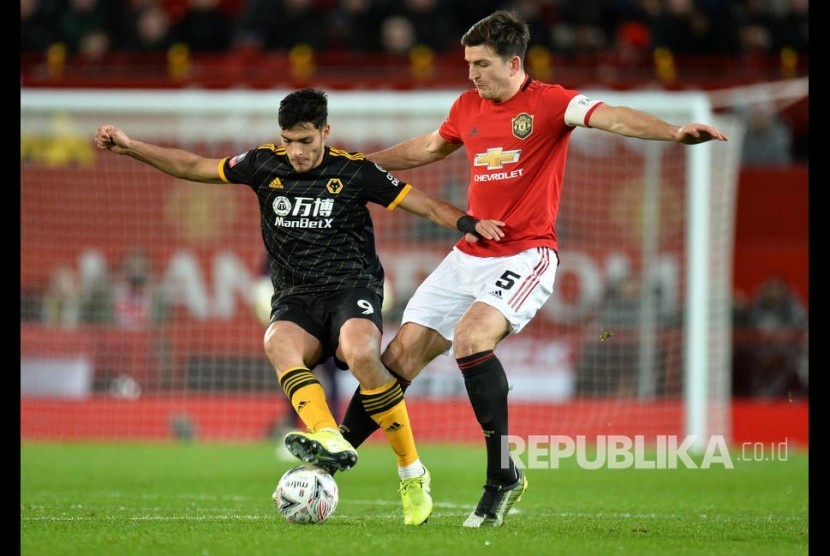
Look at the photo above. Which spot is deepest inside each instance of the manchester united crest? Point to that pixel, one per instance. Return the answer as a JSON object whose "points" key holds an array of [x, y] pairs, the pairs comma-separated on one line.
{"points": [[522, 126]]}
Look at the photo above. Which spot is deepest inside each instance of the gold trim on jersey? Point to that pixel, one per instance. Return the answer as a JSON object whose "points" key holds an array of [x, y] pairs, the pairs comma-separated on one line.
{"points": [[404, 192], [351, 156], [221, 170], [276, 149], [280, 150]]}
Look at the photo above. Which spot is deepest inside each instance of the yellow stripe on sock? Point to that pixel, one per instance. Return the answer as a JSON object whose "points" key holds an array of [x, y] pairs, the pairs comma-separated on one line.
{"points": [[386, 407], [308, 398]]}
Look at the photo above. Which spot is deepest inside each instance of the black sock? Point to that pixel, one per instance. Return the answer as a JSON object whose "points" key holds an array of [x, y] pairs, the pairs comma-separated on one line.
{"points": [[357, 425], [487, 388]]}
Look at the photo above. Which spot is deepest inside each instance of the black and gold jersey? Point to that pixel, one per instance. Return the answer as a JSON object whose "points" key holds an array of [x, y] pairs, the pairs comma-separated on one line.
{"points": [[316, 225]]}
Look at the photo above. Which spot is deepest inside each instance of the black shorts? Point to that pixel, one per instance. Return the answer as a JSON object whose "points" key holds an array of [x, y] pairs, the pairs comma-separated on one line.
{"points": [[322, 316]]}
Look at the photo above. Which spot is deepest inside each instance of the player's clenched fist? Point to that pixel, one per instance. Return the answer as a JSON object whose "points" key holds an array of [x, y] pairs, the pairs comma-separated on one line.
{"points": [[111, 138]]}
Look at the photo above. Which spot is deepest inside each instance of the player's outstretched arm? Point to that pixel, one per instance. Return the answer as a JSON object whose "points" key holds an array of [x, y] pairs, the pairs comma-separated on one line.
{"points": [[174, 162], [414, 152], [449, 216], [629, 122]]}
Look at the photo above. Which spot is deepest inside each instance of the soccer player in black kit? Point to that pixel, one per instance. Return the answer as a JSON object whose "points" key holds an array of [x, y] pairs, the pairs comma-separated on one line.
{"points": [[327, 277]]}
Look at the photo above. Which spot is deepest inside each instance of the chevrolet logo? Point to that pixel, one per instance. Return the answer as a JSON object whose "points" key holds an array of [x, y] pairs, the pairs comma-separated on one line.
{"points": [[496, 158]]}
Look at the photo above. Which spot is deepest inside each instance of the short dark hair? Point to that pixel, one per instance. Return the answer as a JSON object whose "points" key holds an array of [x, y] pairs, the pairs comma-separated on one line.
{"points": [[503, 31], [304, 106]]}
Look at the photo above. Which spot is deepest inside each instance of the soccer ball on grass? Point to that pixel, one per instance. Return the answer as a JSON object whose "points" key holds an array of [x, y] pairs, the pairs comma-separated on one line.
{"points": [[306, 494]]}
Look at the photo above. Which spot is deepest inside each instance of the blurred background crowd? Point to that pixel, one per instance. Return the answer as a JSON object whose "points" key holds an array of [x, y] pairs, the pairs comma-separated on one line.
{"points": [[701, 44], [562, 26]]}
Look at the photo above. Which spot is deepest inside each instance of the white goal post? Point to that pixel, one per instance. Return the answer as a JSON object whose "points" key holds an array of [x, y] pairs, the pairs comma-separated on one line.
{"points": [[651, 220]]}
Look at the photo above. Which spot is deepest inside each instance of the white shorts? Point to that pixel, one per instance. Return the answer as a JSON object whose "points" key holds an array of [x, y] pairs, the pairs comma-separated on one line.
{"points": [[517, 285]]}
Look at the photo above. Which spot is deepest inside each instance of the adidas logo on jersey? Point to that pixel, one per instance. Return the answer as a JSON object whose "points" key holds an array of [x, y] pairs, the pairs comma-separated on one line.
{"points": [[496, 293]]}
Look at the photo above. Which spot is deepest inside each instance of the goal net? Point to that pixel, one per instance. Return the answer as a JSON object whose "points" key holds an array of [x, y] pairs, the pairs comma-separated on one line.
{"points": [[140, 293]]}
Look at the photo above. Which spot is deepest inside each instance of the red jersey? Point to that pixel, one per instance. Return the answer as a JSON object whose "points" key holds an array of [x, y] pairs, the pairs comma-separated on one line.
{"points": [[517, 151]]}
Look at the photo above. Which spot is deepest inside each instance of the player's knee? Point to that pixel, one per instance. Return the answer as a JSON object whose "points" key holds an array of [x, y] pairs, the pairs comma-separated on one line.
{"points": [[475, 335], [361, 357], [470, 342], [464, 340], [269, 344]]}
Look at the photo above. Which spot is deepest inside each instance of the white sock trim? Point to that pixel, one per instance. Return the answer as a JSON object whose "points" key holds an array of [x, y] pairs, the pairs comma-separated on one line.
{"points": [[414, 469]]}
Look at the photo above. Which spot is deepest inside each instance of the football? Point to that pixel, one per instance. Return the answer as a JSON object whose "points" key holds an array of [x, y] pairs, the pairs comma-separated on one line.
{"points": [[306, 494]]}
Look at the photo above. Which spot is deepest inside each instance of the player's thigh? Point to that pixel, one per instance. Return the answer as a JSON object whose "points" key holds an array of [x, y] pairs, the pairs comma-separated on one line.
{"points": [[359, 342], [359, 347], [356, 324], [288, 346]]}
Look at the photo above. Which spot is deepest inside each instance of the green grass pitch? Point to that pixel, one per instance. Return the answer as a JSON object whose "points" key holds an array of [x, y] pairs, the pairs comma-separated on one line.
{"points": [[215, 499]]}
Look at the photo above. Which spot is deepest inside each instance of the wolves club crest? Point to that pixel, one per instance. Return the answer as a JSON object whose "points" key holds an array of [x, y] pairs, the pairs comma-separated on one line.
{"points": [[522, 126]]}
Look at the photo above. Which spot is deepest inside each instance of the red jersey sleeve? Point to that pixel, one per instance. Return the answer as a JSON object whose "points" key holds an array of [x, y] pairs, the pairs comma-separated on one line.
{"points": [[449, 129]]}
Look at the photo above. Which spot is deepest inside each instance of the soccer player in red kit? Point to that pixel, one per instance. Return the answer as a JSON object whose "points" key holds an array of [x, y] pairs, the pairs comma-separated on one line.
{"points": [[515, 131]]}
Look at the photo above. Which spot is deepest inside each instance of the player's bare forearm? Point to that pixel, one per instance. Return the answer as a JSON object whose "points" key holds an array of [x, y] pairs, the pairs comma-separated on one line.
{"points": [[414, 152], [404, 155], [174, 162], [628, 122], [447, 215]]}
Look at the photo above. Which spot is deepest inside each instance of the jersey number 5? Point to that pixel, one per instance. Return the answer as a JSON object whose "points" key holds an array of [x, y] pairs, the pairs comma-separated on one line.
{"points": [[507, 280]]}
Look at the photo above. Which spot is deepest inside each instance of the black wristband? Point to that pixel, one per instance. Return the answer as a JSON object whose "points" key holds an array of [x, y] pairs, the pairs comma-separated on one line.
{"points": [[467, 224]]}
